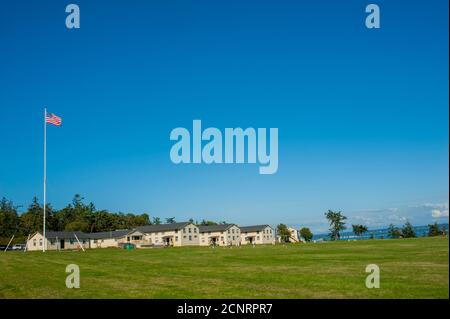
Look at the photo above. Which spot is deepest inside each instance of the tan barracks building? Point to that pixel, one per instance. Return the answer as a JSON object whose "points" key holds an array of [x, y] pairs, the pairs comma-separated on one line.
{"points": [[176, 235], [257, 235], [58, 241], [220, 235]]}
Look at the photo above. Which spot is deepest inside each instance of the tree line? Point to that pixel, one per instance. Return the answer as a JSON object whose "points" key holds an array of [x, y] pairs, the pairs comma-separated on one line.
{"points": [[337, 225], [407, 231], [76, 216]]}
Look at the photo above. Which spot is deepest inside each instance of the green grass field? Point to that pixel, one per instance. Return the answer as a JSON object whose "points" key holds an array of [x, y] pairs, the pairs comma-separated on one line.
{"points": [[410, 268]]}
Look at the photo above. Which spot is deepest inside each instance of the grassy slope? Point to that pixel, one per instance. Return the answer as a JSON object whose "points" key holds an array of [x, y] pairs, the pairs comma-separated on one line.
{"points": [[410, 268]]}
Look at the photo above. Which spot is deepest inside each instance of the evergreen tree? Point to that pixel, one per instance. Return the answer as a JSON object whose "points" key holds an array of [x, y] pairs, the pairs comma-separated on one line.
{"points": [[359, 230], [408, 230], [337, 224], [9, 219], [433, 230], [394, 232], [170, 220]]}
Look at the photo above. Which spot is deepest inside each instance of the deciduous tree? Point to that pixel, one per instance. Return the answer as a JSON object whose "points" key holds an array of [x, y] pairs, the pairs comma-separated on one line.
{"points": [[306, 234]]}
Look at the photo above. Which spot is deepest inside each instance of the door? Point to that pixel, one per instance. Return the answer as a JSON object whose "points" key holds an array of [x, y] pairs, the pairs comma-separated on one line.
{"points": [[61, 244]]}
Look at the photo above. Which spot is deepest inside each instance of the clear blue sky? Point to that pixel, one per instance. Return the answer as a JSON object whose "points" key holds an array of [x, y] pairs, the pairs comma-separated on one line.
{"points": [[362, 114]]}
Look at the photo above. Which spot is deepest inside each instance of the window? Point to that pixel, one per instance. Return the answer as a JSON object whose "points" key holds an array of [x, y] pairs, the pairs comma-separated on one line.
{"points": [[190, 230], [71, 241], [221, 238], [228, 231], [257, 237], [176, 238], [176, 231], [184, 237], [233, 237], [190, 237], [184, 230], [195, 230], [195, 236], [34, 242], [40, 242]]}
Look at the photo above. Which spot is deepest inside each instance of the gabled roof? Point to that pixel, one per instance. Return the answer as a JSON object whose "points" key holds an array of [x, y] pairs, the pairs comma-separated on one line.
{"points": [[247, 229], [109, 234], [162, 227], [215, 228], [65, 235]]}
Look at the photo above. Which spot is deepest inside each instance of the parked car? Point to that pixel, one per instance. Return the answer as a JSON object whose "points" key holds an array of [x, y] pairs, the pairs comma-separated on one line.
{"points": [[18, 247]]}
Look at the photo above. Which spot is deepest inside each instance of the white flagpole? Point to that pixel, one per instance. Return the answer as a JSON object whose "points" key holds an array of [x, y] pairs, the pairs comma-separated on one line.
{"points": [[45, 172]]}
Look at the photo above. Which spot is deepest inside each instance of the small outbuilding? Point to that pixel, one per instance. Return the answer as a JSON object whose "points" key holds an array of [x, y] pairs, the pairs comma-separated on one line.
{"points": [[59, 240]]}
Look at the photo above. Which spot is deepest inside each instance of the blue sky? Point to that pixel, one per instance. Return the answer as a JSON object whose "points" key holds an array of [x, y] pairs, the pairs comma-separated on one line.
{"points": [[362, 114]]}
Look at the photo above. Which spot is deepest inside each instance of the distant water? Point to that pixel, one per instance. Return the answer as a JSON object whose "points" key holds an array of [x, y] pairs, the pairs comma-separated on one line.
{"points": [[421, 231]]}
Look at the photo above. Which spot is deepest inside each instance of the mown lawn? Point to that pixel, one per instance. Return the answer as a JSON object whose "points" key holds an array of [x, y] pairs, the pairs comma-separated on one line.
{"points": [[410, 268]]}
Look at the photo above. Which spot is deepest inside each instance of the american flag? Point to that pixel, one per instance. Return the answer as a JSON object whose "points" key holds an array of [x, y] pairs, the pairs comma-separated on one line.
{"points": [[53, 119]]}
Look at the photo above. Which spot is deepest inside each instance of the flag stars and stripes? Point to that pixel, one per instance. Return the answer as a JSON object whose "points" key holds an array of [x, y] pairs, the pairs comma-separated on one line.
{"points": [[53, 119]]}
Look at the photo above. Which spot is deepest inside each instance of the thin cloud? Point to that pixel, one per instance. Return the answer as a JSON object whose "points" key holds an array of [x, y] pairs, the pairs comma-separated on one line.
{"points": [[436, 213]]}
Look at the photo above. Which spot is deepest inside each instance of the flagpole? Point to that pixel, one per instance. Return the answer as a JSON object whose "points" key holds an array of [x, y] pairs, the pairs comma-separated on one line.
{"points": [[45, 173]]}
